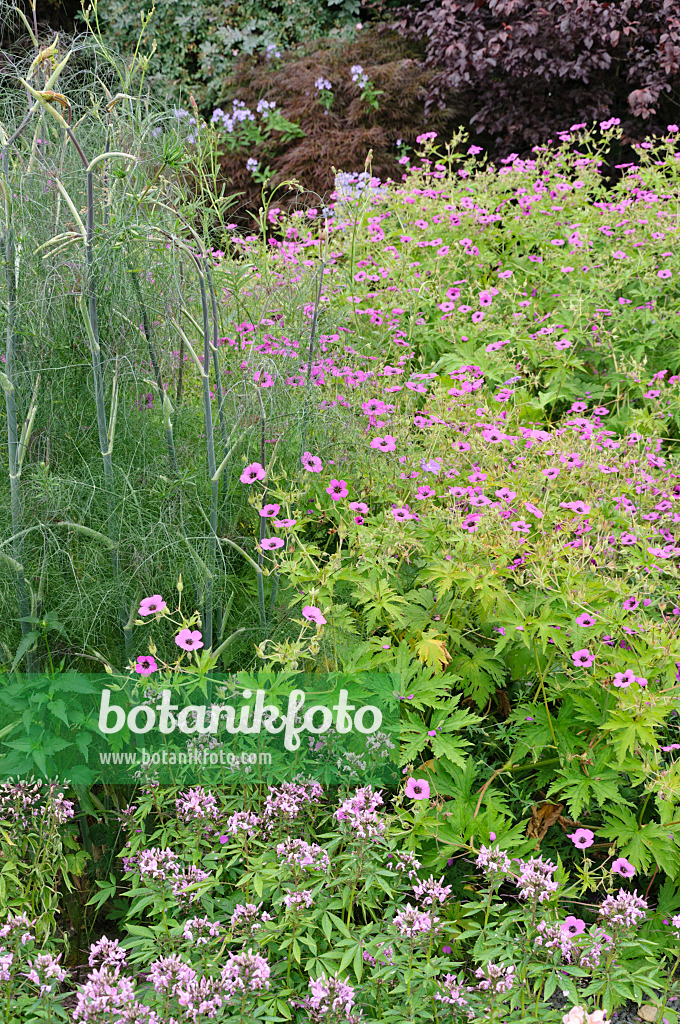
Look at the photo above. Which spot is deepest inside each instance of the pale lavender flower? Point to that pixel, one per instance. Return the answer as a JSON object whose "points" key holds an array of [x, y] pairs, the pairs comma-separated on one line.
{"points": [[247, 917], [330, 1000], [107, 953], [105, 993], [196, 804], [297, 899], [166, 973], [429, 891], [406, 862], [495, 977], [361, 813], [245, 973], [410, 921], [241, 821], [199, 930], [303, 854], [624, 910], [45, 971], [493, 861], [535, 880], [451, 991]]}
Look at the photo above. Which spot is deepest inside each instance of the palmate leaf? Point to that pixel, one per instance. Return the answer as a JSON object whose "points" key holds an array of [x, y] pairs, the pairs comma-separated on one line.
{"points": [[642, 845], [431, 650], [480, 674], [579, 789]]}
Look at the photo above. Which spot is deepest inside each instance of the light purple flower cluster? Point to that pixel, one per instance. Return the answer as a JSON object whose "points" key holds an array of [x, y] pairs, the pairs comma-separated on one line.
{"points": [[107, 953], [196, 805], [105, 993], [407, 863], [625, 910], [201, 997], [361, 813], [494, 862], [411, 922], [330, 1001], [302, 854], [200, 930], [554, 936], [241, 821], [247, 917], [451, 991], [46, 972], [17, 929], [164, 866], [429, 891], [24, 802], [298, 899], [287, 800], [495, 978], [535, 881]]}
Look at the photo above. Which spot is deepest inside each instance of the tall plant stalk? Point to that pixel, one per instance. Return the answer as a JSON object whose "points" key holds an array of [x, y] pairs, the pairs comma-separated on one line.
{"points": [[172, 458], [8, 380]]}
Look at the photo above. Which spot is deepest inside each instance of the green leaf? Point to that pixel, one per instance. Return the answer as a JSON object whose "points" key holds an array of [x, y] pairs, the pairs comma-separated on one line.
{"points": [[25, 645]]}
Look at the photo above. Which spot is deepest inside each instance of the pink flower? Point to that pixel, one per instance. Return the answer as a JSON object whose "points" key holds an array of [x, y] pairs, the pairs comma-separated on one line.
{"points": [[583, 658], [521, 526], [623, 867], [337, 489], [573, 925], [271, 543], [152, 605], [585, 621], [252, 473], [618, 255], [312, 463], [582, 838], [313, 614], [270, 510], [624, 679], [384, 444], [359, 506], [145, 665], [535, 511], [189, 640], [417, 789], [284, 524]]}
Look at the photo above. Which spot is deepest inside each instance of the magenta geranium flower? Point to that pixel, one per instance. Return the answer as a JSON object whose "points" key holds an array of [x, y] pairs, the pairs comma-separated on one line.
{"points": [[582, 838], [417, 789], [284, 524], [152, 605], [312, 463], [252, 473], [270, 510], [583, 658], [624, 679], [337, 489], [145, 665], [362, 507], [573, 925], [313, 614], [189, 639], [384, 444], [271, 543], [623, 867], [585, 621], [631, 602]]}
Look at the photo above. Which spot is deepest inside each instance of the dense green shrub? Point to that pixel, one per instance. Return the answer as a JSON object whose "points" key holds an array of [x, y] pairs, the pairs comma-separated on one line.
{"points": [[196, 42]]}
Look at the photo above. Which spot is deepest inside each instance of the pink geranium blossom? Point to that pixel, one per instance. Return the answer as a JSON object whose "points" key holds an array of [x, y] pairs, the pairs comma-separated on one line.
{"points": [[189, 640]]}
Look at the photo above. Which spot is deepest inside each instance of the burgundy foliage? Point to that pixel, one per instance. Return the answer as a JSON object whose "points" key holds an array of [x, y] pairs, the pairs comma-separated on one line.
{"points": [[530, 68]]}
